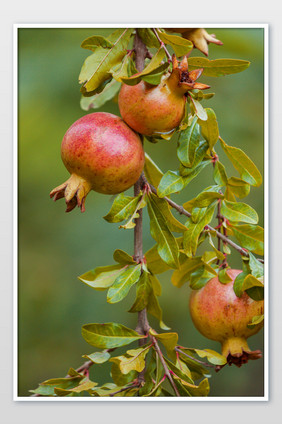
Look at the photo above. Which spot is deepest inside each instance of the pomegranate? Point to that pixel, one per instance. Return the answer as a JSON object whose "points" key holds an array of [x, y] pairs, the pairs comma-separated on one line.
{"points": [[152, 110], [102, 154], [220, 315]]}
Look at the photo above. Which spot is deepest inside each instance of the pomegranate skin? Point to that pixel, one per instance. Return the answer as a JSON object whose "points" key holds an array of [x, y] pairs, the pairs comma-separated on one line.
{"points": [[151, 110], [220, 315], [102, 154]]}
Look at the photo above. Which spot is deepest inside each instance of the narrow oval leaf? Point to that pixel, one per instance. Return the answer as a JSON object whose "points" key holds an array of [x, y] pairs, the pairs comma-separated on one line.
{"points": [[98, 100], [98, 357], [143, 292], [223, 276], [182, 275], [256, 266], [123, 284], [152, 171], [122, 208], [154, 262], [102, 278], [187, 144], [173, 224], [167, 245], [250, 236], [148, 37], [246, 168], [180, 45], [123, 258], [239, 187], [239, 212], [170, 183], [218, 67], [254, 287], [256, 320], [109, 335], [97, 67], [199, 110], [91, 43], [219, 174], [209, 128]]}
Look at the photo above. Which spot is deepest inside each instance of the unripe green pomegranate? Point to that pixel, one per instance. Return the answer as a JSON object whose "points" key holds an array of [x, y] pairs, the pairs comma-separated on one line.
{"points": [[102, 154], [152, 110], [220, 315]]}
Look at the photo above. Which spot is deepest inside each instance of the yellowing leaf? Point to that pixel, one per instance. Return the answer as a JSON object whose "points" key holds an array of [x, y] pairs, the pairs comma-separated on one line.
{"points": [[218, 67]]}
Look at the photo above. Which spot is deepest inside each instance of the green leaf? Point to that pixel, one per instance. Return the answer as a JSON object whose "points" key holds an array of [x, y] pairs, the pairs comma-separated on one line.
{"points": [[256, 266], [223, 276], [171, 182], [180, 45], [172, 223], [191, 236], [131, 222], [219, 174], [154, 67], [109, 335], [200, 277], [209, 128], [148, 37], [239, 212], [98, 357], [144, 290], [213, 357], [199, 110], [154, 262], [122, 208], [133, 361], [256, 320], [122, 71], [123, 258], [206, 198], [169, 340], [188, 143], [97, 67], [239, 188], [102, 277], [182, 275], [122, 379], [84, 386], [218, 67], [98, 100], [119, 290], [250, 236], [246, 168], [253, 287], [91, 43], [189, 174], [178, 372], [167, 245], [152, 171], [154, 309], [238, 283]]}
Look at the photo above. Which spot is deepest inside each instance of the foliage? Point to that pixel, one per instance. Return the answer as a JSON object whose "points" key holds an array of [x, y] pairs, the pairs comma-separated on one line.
{"points": [[147, 370]]}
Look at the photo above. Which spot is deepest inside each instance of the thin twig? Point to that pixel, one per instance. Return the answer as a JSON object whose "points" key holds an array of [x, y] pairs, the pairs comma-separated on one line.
{"points": [[166, 370], [206, 364], [162, 45]]}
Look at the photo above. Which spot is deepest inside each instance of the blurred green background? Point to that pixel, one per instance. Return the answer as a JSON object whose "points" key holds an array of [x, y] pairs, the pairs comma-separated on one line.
{"points": [[54, 247]]}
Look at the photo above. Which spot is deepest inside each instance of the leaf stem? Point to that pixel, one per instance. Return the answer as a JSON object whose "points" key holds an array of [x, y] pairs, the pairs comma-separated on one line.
{"points": [[162, 45], [166, 370]]}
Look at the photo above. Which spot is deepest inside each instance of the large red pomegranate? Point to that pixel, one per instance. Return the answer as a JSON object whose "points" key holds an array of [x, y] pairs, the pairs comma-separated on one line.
{"points": [[220, 315], [102, 154], [152, 110]]}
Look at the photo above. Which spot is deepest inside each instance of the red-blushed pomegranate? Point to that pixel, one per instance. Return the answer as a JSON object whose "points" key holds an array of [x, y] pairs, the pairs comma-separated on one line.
{"points": [[220, 315], [152, 110], [102, 154]]}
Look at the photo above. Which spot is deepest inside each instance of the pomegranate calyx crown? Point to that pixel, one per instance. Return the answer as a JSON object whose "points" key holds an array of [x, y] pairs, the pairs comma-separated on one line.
{"points": [[184, 80]]}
